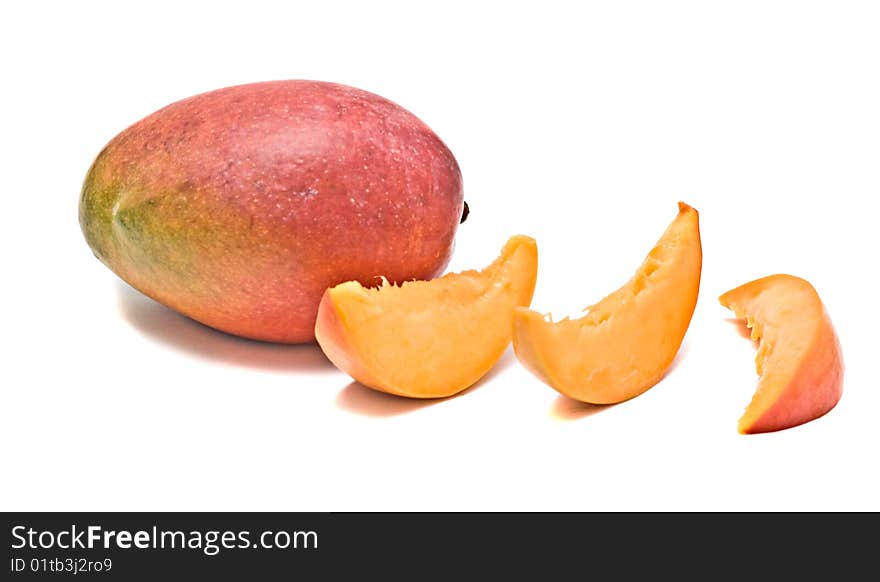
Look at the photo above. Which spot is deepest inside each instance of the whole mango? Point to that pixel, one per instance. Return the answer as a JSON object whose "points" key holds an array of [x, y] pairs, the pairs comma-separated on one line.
{"points": [[240, 206]]}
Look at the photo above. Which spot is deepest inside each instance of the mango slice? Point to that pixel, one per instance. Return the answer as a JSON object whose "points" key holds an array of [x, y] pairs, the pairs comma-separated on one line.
{"points": [[799, 358], [624, 344], [428, 339]]}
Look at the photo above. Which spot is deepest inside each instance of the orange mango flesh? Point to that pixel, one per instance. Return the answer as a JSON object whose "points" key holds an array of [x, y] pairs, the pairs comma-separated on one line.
{"points": [[625, 343], [799, 359], [428, 339]]}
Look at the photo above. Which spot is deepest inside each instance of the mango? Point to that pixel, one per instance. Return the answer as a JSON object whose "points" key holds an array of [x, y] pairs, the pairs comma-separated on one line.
{"points": [[428, 339], [799, 359], [624, 344], [239, 207]]}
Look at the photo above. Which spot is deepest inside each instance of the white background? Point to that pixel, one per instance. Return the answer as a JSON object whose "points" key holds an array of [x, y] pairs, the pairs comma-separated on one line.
{"points": [[580, 124]]}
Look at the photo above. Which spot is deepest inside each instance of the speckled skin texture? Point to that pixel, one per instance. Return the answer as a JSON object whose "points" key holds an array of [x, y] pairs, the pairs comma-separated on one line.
{"points": [[239, 207]]}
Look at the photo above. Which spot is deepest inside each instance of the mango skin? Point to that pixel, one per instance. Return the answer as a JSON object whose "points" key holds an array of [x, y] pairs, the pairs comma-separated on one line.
{"points": [[239, 207]]}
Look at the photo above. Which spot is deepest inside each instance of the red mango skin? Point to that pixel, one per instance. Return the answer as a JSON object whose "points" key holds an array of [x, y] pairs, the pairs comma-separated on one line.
{"points": [[239, 207]]}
